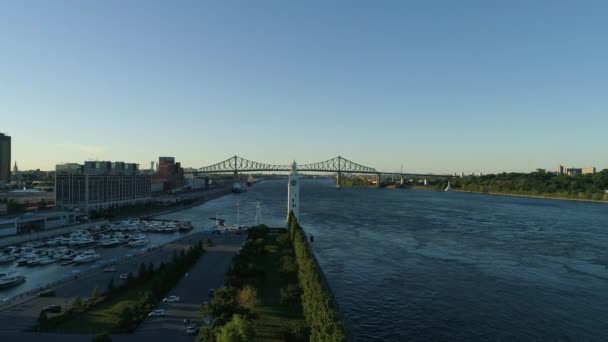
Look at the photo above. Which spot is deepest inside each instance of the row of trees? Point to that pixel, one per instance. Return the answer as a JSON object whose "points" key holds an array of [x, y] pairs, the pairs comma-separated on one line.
{"points": [[591, 186], [157, 282], [318, 304]]}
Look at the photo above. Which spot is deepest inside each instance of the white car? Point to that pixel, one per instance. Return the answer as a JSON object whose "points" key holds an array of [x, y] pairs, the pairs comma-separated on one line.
{"points": [[110, 269], [192, 330], [171, 299], [157, 313], [124, 276]]}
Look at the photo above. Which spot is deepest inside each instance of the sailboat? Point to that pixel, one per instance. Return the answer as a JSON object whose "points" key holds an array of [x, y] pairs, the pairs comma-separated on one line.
{"points": [[449, 187]]}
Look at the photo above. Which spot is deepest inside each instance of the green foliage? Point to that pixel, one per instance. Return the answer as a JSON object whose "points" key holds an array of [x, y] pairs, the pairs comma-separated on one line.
{"points": [[290, 295], [591, 186], [223, 305], [94, 295], [77, 304], [294, 331], [288, 264], [318, 305], [238, 329], [102, 337], [246, 297]]}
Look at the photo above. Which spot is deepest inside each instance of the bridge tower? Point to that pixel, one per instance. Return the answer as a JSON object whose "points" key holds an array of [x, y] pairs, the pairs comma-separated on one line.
{"points": [[236, 174], [339, 174], [378, 181], [293, 192]]}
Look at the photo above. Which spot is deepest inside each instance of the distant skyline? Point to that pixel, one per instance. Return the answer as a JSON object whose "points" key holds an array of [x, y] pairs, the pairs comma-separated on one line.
{"points": [[435, 86]]}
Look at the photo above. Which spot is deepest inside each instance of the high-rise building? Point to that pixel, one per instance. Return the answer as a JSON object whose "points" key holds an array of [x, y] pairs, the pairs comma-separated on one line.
{"points": [[169, 173], [560, 169], [588, 170], [100, 185], [5, 158]]}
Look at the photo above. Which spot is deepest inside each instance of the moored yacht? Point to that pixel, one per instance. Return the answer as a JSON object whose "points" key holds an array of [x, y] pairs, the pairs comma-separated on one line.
{"points": [[138, 243], [10, 279], [86, 256]]}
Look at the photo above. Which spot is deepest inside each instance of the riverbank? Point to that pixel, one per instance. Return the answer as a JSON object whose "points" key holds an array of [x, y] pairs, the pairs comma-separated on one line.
{"points": [[515, 195]]}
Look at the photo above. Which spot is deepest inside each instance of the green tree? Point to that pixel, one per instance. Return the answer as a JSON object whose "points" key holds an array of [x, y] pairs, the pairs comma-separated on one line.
{"points": [[246, 297], [237, 330], [78, 304]]}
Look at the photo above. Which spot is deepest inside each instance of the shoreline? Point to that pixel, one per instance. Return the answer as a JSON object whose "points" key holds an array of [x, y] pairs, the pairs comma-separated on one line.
{"points": [[518, 195]]}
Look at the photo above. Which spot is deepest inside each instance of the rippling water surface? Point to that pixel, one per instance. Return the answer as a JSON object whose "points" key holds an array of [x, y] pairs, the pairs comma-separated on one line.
{"points": [[422, 265]]}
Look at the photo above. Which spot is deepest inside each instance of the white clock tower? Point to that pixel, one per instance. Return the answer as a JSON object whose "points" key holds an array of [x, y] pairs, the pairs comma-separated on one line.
{"points": [[293, 192]]}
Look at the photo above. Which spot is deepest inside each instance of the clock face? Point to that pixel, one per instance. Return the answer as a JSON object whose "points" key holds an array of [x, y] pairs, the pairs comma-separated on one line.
{"points": [[294, 182]]}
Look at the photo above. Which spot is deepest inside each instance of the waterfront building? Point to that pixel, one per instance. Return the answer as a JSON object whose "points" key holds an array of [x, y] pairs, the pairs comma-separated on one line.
{"points": [[5, 158], [560, 170], [100, 185], [30, 198], [573, 172], [169, 173], [293, 189], [30, 222]]}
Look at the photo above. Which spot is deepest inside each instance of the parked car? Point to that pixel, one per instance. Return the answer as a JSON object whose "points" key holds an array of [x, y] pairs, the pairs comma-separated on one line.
{"points": [[124, 276], [157, 313], [47, 293], [110, 269], [192, 330], [52, 309], [171, 299]]}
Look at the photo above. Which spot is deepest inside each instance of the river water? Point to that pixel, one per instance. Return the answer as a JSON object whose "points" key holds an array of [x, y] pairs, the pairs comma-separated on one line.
{"points": [[423, 265], [407, 265]]}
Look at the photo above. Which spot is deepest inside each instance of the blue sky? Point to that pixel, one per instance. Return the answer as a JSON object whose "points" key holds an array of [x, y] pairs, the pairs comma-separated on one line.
{"points": [[437, 86]]}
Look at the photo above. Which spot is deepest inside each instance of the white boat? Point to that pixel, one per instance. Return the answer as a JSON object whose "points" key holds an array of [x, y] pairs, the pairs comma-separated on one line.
{"points": [[10, 279], [82, 242], [138, 243], [113, 242], [7, 258], [86, 256]]}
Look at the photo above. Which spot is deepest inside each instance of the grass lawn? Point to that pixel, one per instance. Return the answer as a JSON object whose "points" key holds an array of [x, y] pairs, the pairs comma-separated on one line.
{"points": [[270, 315], [103, 317]]}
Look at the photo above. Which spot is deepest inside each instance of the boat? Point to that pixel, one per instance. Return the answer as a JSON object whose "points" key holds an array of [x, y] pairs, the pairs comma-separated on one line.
{"points": [[138, 242], [113, 242], [82, 242], [10, 280], [237, 188], [250, 181], [86, 256], [4, 259], [448, 188]]}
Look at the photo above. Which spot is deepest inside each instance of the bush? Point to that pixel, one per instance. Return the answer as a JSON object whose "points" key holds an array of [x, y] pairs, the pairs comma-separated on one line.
{"points": [[295, 331], [237, 330], [77, 304], [291, 294], [288, 264], [223, 305], [246, 297]]}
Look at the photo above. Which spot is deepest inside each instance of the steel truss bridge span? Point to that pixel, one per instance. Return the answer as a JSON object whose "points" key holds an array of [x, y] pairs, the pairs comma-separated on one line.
{"points": [[337, 165]]}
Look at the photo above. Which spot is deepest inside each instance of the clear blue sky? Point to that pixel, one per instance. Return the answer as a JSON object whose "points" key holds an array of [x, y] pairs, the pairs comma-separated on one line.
{"points": [[437, 86]]}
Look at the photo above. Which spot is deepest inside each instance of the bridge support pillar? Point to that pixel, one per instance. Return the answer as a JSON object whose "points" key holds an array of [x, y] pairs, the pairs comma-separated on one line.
{"points": [[378, 181], [236, 176], [339, 180]]}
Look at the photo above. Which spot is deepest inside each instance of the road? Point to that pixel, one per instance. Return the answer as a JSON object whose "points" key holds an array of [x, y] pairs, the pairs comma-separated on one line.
{"points": [[193, 289]]}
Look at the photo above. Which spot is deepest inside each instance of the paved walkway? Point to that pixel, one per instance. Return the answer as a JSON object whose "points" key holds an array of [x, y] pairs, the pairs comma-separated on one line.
{"points": [[193, 289]]}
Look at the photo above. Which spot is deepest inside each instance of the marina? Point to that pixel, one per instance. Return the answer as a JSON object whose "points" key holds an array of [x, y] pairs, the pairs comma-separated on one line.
{"points": [[36, 263]]}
